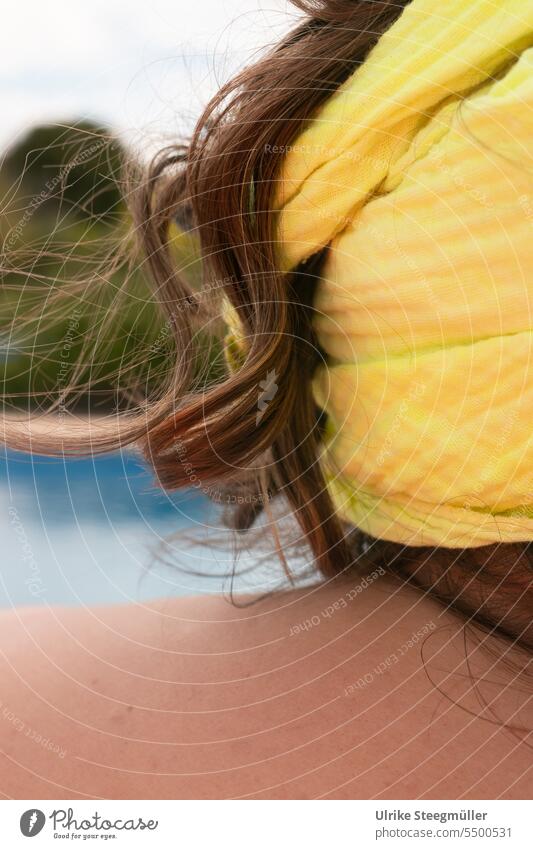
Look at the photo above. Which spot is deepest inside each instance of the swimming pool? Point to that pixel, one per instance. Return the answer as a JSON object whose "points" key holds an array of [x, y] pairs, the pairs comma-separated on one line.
{"points": [[89, 531]]}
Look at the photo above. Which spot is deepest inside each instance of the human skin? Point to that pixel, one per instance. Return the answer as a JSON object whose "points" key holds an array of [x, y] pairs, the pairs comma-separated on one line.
{"points": [[198, 698]]}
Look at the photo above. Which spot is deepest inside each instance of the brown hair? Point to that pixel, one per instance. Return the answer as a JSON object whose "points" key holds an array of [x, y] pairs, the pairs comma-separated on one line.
{"points": [[221, 185]]}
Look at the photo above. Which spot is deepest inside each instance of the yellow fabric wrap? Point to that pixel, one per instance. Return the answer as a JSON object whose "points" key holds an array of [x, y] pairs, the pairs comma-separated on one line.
{"points": [[418, 175]]}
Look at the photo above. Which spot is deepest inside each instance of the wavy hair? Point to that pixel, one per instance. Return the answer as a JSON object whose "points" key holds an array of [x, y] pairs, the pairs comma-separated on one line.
{"points": [[220, 185]]}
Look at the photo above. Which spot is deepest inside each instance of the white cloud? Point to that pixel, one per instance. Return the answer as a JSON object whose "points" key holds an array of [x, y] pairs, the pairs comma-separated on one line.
{"points": [[144, 67]]}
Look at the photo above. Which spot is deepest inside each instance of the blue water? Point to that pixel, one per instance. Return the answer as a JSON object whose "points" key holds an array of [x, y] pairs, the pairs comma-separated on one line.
{"points": [[89, 531]]}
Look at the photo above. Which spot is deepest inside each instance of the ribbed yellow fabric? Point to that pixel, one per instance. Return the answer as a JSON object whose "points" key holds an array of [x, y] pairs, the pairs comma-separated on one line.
{"points": [[418, 173]]}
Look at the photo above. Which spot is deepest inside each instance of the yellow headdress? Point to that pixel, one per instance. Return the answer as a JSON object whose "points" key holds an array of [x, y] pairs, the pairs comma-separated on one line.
{"points": [[418, 174]]}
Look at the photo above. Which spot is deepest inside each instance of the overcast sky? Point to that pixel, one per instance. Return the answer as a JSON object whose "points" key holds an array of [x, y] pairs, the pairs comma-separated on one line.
{"points": [[142, 66]]}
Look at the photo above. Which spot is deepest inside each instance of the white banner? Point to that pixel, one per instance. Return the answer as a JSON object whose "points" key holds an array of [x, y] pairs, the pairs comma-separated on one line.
{"points": [[265, 824]]}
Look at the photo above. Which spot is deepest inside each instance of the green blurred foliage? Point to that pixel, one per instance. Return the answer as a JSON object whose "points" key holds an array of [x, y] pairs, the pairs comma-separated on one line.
{"points": [[70, 313], [67, 171]]}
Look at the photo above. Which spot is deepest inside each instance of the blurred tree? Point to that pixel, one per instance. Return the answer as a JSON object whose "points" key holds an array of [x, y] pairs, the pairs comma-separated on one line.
{"points": [[76, 169], [74, 313]]}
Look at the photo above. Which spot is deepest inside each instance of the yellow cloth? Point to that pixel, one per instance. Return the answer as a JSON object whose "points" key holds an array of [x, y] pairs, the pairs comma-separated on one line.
{"points": [[418, 173]]}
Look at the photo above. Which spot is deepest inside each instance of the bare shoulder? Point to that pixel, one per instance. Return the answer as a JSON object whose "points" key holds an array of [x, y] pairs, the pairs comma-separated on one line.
{"points": [[351, 689]]}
